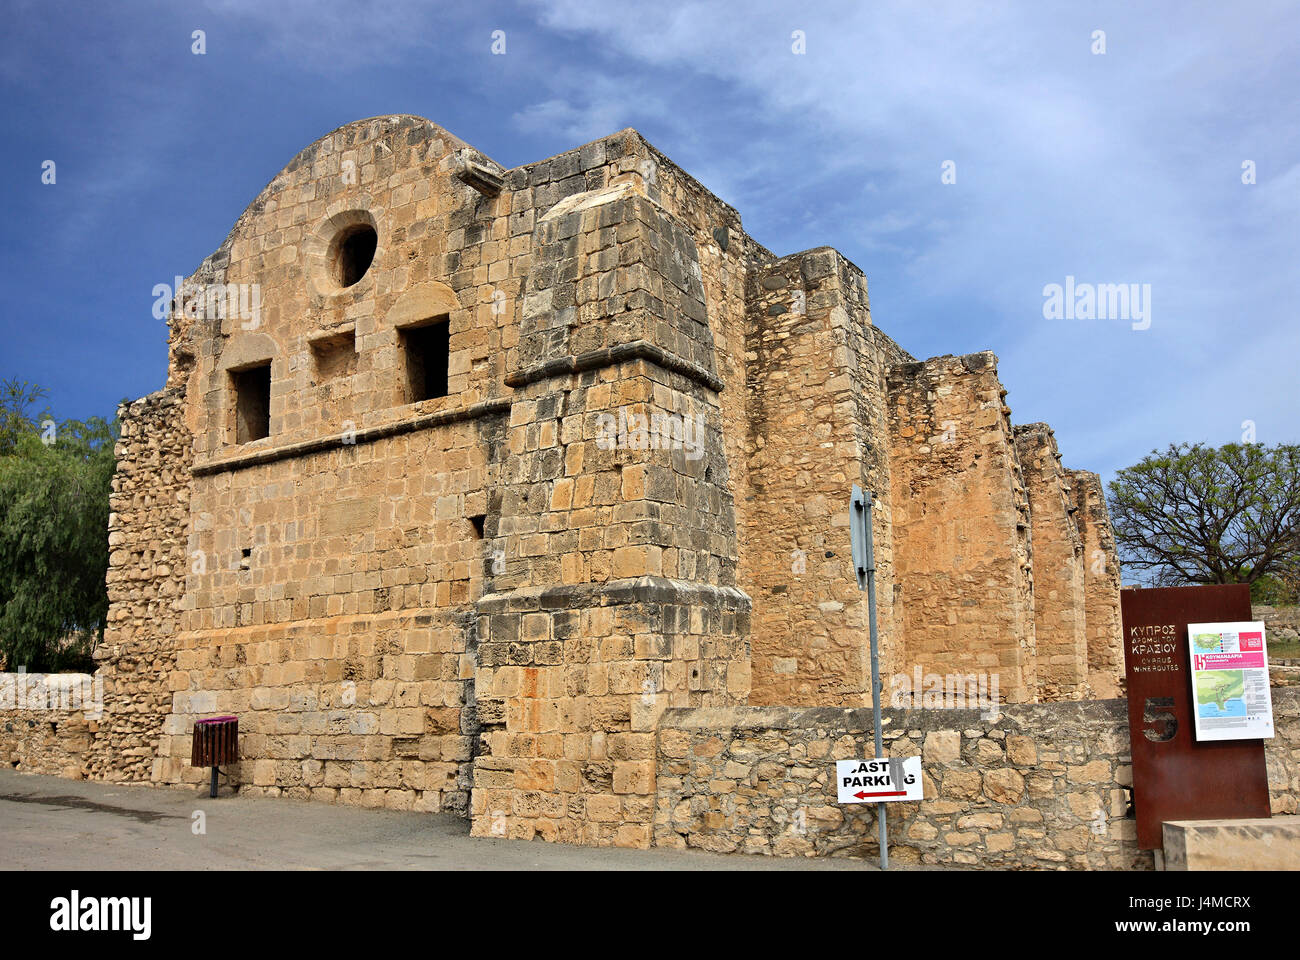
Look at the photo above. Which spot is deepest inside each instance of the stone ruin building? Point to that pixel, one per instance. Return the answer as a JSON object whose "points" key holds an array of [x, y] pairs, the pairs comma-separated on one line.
{"points": [[462, 476]]}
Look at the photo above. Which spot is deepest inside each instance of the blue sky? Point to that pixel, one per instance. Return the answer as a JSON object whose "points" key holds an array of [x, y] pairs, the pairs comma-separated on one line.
{"points": [[1122, 167]]}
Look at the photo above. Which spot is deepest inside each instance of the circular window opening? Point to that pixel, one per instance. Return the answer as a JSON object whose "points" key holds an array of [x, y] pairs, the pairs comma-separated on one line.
{"points": [[353, 252]]}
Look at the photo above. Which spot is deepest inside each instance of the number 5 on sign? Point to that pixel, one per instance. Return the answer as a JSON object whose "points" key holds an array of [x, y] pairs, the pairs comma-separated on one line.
{"points": [[1158, 712]]}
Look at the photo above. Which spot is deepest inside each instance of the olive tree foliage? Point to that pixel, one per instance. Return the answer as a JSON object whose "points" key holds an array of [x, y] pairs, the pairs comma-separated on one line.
{"points": [[17, 397], [55, 479], [1199, 514]]}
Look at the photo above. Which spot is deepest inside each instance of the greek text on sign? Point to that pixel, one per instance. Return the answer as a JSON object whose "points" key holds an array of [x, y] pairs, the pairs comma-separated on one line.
{"points": [[878, 781]]}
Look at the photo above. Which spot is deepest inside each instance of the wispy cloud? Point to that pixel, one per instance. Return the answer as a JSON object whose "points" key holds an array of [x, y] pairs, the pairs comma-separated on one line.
{"points": [[1122, 167], [1114, 167]]}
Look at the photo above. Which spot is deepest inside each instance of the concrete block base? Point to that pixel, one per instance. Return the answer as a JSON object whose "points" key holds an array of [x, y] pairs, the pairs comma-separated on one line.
{"points": [[1264, 844]]}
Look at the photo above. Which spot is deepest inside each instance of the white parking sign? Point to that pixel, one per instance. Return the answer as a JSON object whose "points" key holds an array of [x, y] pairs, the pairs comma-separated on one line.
{"points": [[878, 781]]}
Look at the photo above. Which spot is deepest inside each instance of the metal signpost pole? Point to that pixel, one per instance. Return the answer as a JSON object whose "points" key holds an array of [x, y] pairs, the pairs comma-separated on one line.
{"points": [[865, 561], [875, 671]]}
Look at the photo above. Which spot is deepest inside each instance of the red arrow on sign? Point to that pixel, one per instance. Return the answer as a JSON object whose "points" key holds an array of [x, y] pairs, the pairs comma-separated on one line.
{"points": [[862, 794]]}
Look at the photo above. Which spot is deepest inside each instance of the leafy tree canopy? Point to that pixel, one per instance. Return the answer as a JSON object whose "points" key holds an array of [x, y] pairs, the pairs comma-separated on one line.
{"points": [[1199, 514], [55, 480], [17, 397]]}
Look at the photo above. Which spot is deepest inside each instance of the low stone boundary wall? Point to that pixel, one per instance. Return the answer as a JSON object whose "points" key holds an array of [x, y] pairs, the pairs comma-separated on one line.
{"points": [[1042, 786], [1039, 786], [47, 722], [1280, 623]]}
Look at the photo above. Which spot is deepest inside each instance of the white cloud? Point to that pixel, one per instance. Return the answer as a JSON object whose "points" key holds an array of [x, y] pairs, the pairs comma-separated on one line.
{"points": [[1116, 168]]}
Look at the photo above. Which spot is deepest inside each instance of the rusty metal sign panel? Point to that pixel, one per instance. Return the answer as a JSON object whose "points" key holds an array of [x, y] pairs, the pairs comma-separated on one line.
{"points": [[1175, 777]]}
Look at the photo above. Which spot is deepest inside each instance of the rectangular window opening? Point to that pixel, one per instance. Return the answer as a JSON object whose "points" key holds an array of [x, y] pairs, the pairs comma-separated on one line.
{"points": [[426, 352], [252, 389], [334, 356]]}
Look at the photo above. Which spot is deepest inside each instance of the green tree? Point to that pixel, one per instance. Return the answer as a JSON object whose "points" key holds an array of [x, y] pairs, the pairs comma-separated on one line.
{"points": [[54, 490], [1199, 514], [16, 400], [1281, 587]]}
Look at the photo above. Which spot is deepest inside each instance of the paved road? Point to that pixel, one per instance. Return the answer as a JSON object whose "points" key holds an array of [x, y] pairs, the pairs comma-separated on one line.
{"points": [[47, 823]]}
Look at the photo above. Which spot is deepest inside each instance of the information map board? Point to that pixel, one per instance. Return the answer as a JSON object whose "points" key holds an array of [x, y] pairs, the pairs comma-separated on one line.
{"points": [[1175, 775], [1230, 681]]}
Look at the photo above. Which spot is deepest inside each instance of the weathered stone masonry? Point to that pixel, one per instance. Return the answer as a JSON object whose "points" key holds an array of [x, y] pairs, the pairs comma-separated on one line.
{"points": [[962, 520], [386, 521], [1101, 585], [1037, 786], [1057, 566]]}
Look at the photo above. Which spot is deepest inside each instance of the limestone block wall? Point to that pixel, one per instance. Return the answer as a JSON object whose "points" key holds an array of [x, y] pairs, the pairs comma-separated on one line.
{"points": [[727, 258], [613, 270], [395, 176], [962, 552], [1042, 786], [571, 685], [334, 616], [770, 379], [329, 601], [484, 601], [615, 595], [641, 433], [374, 710], [343, 531], [1058, 558], [1101, 585], [351, 545], [815, 426]]}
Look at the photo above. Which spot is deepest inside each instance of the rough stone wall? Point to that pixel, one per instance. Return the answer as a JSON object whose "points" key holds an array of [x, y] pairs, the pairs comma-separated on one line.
{"points": [[815, 426], [1282, 752], [1281, 623], [1042, 786], [55, 743], [963, 582], [1058, 559], [47, 722], [1101, 585], [148, 528]]}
